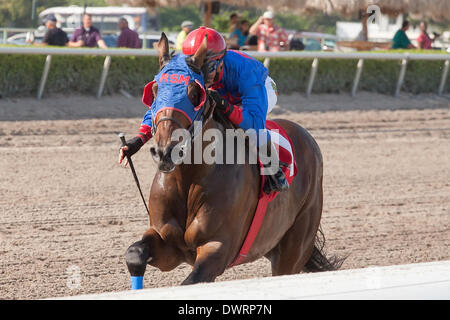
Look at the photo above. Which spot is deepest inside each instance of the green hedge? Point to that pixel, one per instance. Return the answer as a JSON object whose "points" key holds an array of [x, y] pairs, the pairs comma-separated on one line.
{"points": [[335, 76], [20, 75]]}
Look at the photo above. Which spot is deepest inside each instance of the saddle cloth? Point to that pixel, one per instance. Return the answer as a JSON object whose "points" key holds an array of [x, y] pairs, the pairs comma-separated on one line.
{"points": [[283, 144]]}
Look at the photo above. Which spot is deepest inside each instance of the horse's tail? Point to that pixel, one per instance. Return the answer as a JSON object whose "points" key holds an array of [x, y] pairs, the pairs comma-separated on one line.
{"points": [[319, 261]]}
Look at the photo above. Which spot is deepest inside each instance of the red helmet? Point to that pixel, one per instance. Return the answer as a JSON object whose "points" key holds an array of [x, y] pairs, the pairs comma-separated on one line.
{"points": [[216, 43]]}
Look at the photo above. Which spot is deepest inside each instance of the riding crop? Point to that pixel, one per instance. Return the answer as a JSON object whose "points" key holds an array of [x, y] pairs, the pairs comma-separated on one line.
{"points": [[122, 138]]}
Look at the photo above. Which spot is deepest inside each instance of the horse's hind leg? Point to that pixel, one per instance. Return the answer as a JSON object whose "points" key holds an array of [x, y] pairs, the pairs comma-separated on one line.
{"points": [[295, 248]]}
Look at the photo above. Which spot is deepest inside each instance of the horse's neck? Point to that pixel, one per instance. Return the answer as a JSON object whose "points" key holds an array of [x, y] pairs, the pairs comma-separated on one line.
{"points": [[200, 169], [196, 184]]}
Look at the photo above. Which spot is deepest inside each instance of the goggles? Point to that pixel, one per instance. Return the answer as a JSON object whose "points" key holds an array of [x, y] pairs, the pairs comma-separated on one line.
{"points": [[212, 65]]}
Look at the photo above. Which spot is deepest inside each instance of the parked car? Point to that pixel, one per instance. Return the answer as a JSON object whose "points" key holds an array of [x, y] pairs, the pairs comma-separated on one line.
{"points": [[110, 40], [312, 41], [20, 39], [152, 39]]}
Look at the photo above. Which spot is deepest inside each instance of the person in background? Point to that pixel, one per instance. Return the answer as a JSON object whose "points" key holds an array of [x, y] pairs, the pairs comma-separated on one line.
{"points": [[186, 27], [270, 36], [234, 22], [401, 40], [127, 38], [137, 24], [87, 35], [54, 35], [252, 40], [424, 41], [238, 37]]}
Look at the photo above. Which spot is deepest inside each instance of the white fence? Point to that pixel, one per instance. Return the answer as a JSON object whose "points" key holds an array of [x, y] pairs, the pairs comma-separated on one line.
{"points": [[360, 56], [429, 280]]}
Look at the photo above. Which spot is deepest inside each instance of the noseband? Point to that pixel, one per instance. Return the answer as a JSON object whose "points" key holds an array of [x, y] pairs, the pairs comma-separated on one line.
{"points": [[167, 118]]}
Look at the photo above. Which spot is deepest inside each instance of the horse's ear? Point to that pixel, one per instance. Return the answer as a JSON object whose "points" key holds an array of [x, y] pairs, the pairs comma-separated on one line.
{"points": [[163, 50], [200, 55]]}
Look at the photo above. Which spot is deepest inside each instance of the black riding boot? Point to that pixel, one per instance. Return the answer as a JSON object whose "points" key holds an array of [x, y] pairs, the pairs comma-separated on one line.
{"points": [[276, 182]]}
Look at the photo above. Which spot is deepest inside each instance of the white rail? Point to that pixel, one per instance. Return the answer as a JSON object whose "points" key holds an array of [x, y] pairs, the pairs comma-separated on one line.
{"points": [[360, 56], [256, 54], [429, 280]]}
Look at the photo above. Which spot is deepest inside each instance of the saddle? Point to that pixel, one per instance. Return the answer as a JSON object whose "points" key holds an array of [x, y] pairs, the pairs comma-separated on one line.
{"points": [[286, 156]]}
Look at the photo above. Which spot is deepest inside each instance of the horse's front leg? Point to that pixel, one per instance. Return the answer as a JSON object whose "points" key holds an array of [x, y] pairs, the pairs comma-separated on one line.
{"points": [[152, 250], [211, 261]]}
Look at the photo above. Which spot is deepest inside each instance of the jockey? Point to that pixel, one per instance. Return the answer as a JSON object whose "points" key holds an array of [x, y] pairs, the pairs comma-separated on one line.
{"points": [[239, 86]]}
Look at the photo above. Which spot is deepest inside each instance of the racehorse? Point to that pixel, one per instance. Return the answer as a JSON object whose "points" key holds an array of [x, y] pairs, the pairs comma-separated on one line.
{"points": [[200, 213]]}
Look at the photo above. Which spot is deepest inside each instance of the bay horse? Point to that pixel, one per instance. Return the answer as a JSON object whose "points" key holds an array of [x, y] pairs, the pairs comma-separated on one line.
{"points": [[200, 213]]}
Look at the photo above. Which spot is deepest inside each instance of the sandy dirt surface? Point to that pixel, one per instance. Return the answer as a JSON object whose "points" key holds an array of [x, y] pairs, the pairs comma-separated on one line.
{"points": [[67, 207]]}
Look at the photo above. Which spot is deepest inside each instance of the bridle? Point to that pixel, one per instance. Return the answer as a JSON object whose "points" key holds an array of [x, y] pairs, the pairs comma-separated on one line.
{"points": [[199, 116], [165, 118]]}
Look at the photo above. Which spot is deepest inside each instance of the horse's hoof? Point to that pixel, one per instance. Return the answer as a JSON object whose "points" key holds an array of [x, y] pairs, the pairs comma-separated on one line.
{"points": [[136, 257]]}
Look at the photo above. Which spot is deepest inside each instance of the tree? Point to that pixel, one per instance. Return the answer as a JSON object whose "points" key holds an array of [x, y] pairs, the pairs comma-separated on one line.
{"points": [[171, 18], [15, 13]]}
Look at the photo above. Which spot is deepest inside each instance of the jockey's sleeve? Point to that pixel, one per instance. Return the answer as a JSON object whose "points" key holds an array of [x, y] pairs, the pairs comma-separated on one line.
{"points": [[145, 131], [253, 113]]}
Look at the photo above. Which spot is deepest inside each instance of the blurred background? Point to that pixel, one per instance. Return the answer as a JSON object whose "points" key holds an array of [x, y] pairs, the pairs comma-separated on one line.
{"points": [[310, 24], [381, 117]]}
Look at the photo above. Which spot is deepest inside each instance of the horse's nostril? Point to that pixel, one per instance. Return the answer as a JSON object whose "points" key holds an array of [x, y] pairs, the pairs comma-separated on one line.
{"points": [[163, 157], [155, 154]]}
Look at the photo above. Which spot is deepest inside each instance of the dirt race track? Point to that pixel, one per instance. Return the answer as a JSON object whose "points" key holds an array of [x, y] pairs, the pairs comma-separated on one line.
{"points": [[65, 205]]}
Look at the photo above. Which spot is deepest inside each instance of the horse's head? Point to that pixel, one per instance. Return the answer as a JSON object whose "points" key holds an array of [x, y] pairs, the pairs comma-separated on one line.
{"points": [[178, 97]]}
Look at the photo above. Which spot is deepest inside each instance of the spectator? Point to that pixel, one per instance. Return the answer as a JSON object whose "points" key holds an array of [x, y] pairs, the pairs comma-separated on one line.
{"points": [[424, 41], [186, 27], [234, 22], [239, 36], [401, 40], [252, 40], [296, 44], [128, 38], [270, 36], [137, 24], [54, 36], [87, 35]]}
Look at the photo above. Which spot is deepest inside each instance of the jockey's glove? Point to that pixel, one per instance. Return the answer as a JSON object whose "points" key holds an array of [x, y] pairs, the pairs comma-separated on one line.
{"points": [[133, 145], [221, 103]]}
